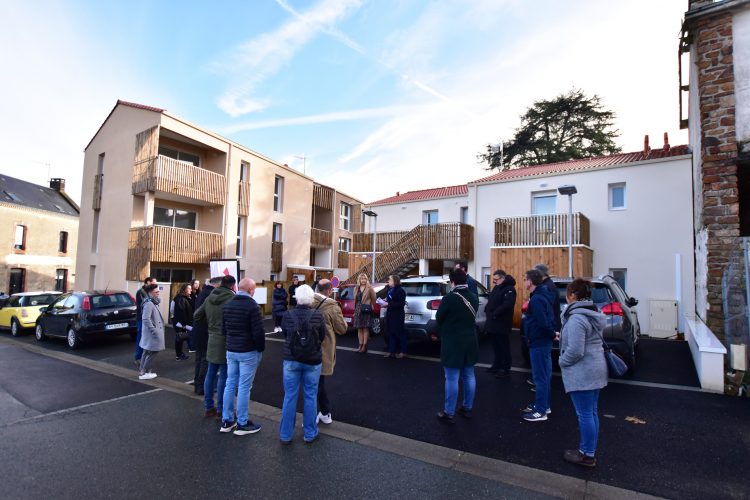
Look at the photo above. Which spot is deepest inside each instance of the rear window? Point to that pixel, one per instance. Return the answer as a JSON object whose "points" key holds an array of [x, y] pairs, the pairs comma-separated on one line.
{"points": [[346, 293], [600, 294], [40, 300], [112, 300], [425, 289]]}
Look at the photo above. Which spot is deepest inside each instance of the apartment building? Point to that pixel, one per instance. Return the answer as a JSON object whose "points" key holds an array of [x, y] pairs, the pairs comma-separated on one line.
{"points": [[40, 229], [162, 197], [336, 217]]}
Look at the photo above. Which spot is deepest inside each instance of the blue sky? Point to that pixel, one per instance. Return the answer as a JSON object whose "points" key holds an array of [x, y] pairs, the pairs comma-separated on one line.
{"points": [[379, 95]]}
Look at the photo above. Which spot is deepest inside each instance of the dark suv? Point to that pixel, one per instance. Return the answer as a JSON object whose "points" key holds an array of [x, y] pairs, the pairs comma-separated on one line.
{"points": [[622, 329], [81, 315]]}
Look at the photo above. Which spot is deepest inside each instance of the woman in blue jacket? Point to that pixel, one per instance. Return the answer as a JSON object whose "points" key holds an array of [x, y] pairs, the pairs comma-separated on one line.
{"points": [[394, 318]]}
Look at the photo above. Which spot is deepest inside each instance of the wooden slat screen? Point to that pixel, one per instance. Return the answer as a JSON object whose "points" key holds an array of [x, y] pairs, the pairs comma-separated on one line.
{"points": [[181, 178], [146, 144], [277, 250], [320, 238], [323, 196], [356, 217], [362, 242], [541, 230], [343, 260], [96, 203], [243, 206]]}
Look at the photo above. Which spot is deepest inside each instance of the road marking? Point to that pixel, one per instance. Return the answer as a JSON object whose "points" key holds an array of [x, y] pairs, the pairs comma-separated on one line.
{"points": [[81, 407]]}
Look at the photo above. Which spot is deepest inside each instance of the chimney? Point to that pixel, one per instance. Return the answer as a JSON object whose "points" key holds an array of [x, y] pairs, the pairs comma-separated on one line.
{"points": [[646, 147], [398, 193], [666, 142], [57, 184]]}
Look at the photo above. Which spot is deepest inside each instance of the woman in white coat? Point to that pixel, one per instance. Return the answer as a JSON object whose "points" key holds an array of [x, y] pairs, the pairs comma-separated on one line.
{"points": [[152, 337]]}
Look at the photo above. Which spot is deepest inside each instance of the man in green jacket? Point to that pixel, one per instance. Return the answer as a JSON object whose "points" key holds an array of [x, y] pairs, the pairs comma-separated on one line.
{"points": [[216, 354], [459, 345]]}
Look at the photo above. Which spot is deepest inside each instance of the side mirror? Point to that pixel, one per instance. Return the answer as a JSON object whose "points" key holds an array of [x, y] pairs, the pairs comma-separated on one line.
{"points": [[43, 309], [632, 302]]}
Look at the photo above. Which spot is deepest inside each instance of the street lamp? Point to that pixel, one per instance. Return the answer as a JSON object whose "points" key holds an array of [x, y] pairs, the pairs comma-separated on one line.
{"points": [[570, 190], [370, 213]]}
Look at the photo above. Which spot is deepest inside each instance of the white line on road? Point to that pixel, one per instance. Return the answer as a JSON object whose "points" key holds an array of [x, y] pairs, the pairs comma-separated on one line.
{"points": [[81, 407]]}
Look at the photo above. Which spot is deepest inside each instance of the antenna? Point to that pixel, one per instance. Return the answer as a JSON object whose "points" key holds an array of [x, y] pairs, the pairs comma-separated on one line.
{"points": [[304, 162]]}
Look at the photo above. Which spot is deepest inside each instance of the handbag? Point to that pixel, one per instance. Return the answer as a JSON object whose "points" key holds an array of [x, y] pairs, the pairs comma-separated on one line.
{"points": [[615, 364], [365, 309]]}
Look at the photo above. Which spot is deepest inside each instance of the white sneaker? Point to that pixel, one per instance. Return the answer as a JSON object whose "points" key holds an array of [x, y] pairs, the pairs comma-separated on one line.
{"points": [[326, 419], [147, 376]]}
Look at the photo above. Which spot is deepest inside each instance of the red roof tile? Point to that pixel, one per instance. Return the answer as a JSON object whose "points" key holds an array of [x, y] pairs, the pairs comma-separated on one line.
{"points": [[425, 194], [584, 164]]}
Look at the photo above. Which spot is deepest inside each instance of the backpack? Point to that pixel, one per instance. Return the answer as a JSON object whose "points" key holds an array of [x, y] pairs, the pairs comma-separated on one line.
{"points": [[305, 343]]}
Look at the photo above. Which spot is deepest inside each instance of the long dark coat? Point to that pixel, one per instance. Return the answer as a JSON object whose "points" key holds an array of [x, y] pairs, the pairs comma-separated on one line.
{"points": [[459, 344], [394, 313], [500, 307], [278, 306]]}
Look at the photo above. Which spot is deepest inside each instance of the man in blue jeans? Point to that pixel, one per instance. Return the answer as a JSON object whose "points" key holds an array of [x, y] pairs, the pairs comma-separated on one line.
{"points": [[246, 340], [539, 328], [140, 295]]}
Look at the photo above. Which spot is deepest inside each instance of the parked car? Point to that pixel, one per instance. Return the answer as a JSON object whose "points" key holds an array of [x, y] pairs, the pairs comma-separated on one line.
{"points": [[78, 316], [345, 298], [21, 310], [423, 297], [622, 329]]}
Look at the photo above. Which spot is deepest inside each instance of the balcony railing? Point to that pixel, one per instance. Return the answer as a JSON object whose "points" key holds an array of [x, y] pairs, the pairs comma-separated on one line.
{"points": [[277, 250], [180, 178], [362, 242], [320, 238], [541, 230], [243, 206], [169, 244], [323, 196], [343, 260]]}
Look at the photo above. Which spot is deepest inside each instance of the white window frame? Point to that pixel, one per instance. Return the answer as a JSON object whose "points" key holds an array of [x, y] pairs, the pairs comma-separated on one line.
{"points": [[624, 271], [274, 236], [278, 194], [610, 196], [244, 171], [345, 216], [19, 240], [347, 245], [463, 215], [174, 216], [240, 236], [543, 194], [426, 217]]}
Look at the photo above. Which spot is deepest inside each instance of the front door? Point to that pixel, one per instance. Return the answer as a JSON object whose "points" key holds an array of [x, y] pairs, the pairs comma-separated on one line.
{"points": [[17, 281]]}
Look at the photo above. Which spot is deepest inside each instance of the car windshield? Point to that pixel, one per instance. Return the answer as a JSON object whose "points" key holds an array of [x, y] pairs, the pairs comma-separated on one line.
{"points": [[425, 289], [39, 300], [111, 300]]}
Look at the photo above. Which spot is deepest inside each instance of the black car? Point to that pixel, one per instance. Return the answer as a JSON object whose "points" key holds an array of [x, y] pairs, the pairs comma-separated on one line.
{"points": [[622, 328], [78, 316]]}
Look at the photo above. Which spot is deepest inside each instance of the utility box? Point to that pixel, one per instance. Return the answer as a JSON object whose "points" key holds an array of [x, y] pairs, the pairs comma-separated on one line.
{"points": [[663, 315], [738, 357]]}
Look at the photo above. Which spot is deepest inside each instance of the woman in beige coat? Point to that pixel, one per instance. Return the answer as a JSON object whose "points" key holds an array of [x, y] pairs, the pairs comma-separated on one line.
{"points": [[364, 295]]}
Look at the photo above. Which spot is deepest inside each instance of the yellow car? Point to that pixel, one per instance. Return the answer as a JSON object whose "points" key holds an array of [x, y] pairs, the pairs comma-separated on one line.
{"points": [[22, 309]]}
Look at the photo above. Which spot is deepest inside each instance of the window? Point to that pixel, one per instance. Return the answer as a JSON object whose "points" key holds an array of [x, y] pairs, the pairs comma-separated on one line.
{"points": [[276, 234], [617, 196], [274, 277], [543, 203], [174, 218], [345, 216], [17, 281], [244, 171], [19, 242], [240, 234], [430, 217], [62, 245], [278, 194], [620, 276], [179, 155], [345, 245], [61, 280], [168, 275], [92, 277], [95, 233], [464, 215]]}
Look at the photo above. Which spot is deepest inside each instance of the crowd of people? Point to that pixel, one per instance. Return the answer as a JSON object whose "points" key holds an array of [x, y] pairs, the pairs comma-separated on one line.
{"points": [[224, 326]]}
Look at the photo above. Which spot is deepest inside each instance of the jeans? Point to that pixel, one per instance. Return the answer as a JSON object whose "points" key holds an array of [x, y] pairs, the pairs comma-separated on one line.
{"points": [[210, 383], [138, 348], [541, 372], [501, 348], [585, 403], [296, 374], [451, 388], [241, 368]]}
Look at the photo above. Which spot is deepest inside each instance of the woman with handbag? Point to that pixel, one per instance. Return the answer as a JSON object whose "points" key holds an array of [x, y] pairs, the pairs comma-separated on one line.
{"points": [[364, 300], [583, 366], [183, 320]]}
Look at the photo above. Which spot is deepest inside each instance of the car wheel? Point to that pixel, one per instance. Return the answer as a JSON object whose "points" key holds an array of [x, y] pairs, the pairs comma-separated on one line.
{"points": [[375, 326], [74, 342], [15, 328], [39, 333]]}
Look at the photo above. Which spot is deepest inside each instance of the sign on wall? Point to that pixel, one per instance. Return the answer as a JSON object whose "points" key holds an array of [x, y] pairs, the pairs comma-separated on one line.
{"points": [[225, 267]]}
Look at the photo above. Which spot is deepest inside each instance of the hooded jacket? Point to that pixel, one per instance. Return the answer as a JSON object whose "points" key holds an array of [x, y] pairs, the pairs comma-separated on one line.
{"points": [[211, 311], [500, 307], [582, 360], [538, 324]]}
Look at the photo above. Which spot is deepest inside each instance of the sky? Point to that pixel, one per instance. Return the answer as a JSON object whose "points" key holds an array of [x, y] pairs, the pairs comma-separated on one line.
{"points": [[368, 96]]}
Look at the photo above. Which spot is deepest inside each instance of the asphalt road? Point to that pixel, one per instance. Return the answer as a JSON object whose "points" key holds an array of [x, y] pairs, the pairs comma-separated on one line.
{"points": [[666, 442]]}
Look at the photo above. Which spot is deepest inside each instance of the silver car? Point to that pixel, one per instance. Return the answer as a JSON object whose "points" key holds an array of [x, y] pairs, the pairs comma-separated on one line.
{"points": [[423, 296]]}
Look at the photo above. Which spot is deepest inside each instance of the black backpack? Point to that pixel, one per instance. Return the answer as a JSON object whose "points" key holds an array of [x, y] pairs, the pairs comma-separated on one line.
{"points": [[305, 343]]}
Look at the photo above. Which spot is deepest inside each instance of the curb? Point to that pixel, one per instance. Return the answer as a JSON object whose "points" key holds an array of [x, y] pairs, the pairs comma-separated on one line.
{"points": [[538, 480]]}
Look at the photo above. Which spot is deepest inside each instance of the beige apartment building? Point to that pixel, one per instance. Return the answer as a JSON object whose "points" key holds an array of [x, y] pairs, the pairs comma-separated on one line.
{"points": [[38, 240], [162, 197]]}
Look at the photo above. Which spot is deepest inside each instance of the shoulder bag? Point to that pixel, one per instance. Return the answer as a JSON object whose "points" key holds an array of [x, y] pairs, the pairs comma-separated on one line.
{"points": [[615, 364]]}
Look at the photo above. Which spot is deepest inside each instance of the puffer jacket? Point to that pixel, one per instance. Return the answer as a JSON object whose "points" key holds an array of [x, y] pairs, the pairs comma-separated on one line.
{"points": [[211, 311], [243, 325], [295, 318], [278, 306], [582, 360]]}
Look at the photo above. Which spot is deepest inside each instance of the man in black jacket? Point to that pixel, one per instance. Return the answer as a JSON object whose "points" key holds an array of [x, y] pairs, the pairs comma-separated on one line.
{"points": [[199, 337], [292, 290], [242, 326], [499, 310]]}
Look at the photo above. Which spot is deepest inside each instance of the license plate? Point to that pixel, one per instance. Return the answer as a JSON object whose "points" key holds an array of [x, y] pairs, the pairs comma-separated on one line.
{"points": [[115, 326], [411, 317], [348, 320]]}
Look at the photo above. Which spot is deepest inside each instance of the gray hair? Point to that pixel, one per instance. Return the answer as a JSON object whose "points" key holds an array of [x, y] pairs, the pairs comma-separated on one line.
{"points": [[542, 269], [304, 295]]}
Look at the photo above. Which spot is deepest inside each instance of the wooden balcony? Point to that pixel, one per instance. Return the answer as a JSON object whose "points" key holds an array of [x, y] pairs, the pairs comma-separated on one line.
{"points": [[323, 196], [277, 250], [320, 238], [243, 206], [171, 245], [362, 242], [541, 230], [166, 175], [434, 241], [343, 260]]}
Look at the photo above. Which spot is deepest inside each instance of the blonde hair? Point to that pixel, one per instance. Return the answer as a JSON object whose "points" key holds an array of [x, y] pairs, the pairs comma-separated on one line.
{"points": [[363, 275]]}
